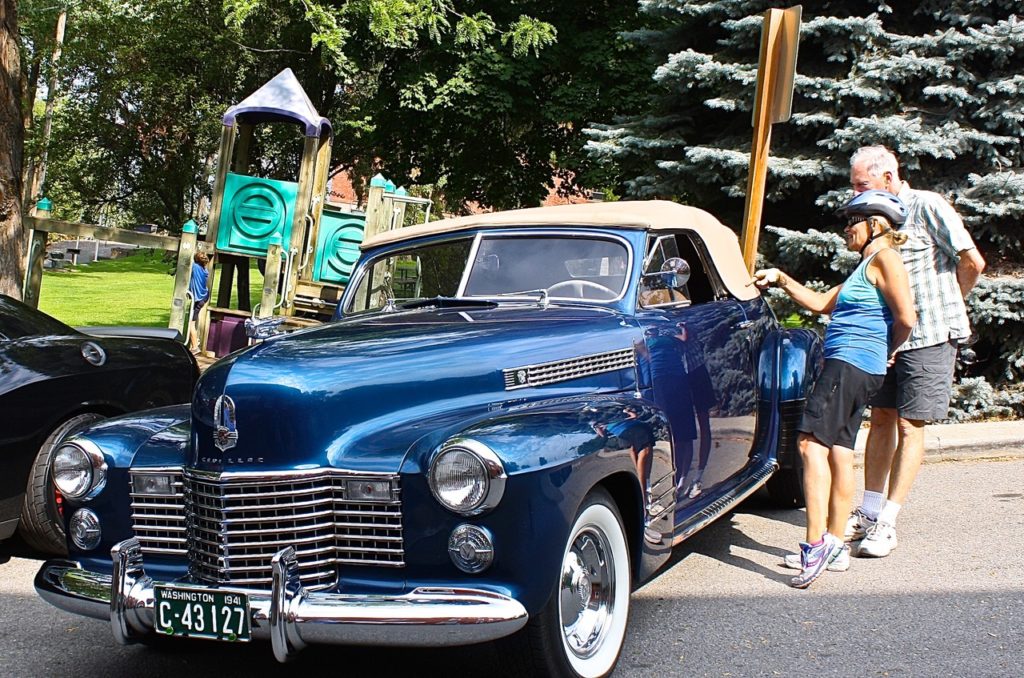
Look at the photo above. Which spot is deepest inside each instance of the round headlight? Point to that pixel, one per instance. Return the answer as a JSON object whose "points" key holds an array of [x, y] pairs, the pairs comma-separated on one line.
{"points": [[467, 477], [78, 469]]}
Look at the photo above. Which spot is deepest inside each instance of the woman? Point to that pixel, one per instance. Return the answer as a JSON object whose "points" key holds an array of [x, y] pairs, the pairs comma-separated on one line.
{"points": [[872, 314]]}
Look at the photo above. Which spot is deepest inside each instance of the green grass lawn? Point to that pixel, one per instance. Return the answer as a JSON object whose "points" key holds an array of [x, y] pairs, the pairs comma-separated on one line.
{"points": [[133, 290]]}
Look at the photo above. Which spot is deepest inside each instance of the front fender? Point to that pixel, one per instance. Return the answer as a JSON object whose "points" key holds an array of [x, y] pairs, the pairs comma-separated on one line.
{"points": [[153, 438], [554, 454]]}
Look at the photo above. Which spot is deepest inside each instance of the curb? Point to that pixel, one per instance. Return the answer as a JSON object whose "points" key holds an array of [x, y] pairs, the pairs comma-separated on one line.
{"points": [[963, 442]]}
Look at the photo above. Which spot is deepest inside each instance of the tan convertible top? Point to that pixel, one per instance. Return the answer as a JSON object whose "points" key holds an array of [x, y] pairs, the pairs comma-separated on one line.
{"points": [[653, 215]]}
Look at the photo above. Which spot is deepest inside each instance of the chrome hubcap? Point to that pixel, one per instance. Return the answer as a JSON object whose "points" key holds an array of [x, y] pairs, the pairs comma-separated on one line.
{"points": [[586, 592]]}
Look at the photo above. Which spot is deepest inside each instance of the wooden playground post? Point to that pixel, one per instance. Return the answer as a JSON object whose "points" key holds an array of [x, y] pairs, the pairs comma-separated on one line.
{"points": [[297, 247], [227, 143], [241, 151], [773, 102], [36, 254], [320, 174], [375, 218], [182, 277], [378, 220]]}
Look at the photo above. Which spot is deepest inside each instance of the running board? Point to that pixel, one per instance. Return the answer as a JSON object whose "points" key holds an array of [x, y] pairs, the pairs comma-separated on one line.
{"points": [[725, 503]]}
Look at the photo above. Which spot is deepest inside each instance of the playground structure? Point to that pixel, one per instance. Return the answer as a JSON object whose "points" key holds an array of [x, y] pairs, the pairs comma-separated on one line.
{"points": [[309, 247], [305, 246]]}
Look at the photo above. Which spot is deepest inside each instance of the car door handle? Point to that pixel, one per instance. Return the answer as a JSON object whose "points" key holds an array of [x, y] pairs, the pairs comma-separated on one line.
{"points": [[743, 325]]}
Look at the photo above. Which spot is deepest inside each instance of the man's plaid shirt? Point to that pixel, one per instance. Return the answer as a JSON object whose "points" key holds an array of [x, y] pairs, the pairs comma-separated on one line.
{"points": [[936, 236]]}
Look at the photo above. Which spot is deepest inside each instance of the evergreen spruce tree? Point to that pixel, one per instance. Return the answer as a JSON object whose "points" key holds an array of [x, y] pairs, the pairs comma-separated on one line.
{"points": [[941, 83]]}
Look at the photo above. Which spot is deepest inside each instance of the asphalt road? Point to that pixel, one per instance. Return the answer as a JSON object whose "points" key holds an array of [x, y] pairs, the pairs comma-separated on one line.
{"points": [[948, 602]]}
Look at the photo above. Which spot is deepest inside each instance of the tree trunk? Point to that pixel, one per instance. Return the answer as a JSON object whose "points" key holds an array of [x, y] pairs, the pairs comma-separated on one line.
{"points": [[39, 180], [12, 265]]}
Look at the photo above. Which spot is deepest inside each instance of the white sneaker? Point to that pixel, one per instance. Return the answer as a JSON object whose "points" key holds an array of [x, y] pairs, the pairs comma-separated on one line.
{"points": [[815, 559], [840, 564], [879, 541], [857, 525], [695, 490]]}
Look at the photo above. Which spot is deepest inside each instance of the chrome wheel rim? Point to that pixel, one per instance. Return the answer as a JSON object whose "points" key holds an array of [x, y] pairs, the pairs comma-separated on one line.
{"points": [[586, 592]]}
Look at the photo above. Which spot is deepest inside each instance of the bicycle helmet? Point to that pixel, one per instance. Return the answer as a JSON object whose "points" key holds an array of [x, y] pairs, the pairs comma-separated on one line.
{"points": [[876, 204]]}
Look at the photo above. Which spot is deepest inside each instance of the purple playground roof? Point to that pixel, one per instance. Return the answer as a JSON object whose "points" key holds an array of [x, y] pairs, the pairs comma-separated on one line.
{"points": [[282, 99]]}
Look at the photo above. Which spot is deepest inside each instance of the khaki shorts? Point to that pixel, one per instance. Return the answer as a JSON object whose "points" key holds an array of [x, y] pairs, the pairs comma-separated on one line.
{"points": [[918, 385]]}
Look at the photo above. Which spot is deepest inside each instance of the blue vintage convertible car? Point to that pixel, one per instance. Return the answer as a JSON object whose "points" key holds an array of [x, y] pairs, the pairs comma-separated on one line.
{"points": [[510, 422]]}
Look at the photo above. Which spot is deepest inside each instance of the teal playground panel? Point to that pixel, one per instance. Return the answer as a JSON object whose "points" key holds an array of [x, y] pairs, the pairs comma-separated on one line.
{"points": [[337, 246], [253, 210]]}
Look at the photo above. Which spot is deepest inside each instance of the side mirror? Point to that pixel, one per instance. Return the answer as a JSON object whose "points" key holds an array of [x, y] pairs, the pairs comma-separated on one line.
{"points": [[667, 286], [676, 272], [674, 275]]}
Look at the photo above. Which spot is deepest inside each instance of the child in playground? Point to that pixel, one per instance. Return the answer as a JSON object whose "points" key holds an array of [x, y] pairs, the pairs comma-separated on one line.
{"points": [[200, 293]]}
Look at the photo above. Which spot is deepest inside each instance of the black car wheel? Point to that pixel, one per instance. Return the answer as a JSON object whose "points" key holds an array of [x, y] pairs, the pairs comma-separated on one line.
{"points": [[41, 525], [581, 630]]}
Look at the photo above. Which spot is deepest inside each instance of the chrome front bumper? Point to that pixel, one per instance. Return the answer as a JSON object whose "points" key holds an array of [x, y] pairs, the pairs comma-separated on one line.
{"points": [[288, 615]]}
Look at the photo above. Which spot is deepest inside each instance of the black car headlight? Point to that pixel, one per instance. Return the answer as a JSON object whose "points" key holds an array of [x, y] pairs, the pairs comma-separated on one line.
{"points": [[467, 477], [79, 470]]}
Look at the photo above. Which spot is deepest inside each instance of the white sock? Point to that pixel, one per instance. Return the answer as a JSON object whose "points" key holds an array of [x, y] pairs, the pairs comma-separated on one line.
{"points": [[889, 512], [871, 504]]}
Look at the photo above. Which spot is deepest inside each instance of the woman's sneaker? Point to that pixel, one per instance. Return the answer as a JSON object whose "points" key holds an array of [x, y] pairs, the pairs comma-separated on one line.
{"points": [[815, 559], [840, 564], [857, 525], [879, 541]]}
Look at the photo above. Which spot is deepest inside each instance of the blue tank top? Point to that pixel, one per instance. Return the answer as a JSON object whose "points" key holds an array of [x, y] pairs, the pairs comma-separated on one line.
{"points": [[861, 320]]}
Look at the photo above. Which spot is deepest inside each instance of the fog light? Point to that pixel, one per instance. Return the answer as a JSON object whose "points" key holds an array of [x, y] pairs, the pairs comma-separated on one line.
{"points": [[368, 490], [85, 529], [158, 484], [471, 548]]}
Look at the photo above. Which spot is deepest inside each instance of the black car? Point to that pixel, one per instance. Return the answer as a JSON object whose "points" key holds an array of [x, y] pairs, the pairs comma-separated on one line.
{"points": [[54, 380]]}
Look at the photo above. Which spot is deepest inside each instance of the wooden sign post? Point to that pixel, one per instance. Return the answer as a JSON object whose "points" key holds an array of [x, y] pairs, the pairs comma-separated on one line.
{"points": [[773, 102]]}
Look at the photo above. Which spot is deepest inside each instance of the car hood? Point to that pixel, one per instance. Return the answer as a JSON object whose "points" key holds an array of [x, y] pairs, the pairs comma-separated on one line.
{"points": [[356, 394]]}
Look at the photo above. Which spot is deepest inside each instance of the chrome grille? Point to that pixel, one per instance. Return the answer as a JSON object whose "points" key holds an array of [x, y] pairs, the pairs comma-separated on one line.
{"points": [[237, 522], [159, 520], [564, 370]]}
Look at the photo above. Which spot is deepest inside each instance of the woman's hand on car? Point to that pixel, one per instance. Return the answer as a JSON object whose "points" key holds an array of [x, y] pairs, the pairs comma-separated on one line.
{"points": [[769, 277]]}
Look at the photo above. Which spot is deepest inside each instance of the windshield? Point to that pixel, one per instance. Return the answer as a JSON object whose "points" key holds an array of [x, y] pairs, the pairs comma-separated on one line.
{"points": [[513, 265]]}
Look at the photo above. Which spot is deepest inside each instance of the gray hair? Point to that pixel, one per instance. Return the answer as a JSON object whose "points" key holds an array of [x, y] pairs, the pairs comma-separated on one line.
{"points": [[879, 159]]}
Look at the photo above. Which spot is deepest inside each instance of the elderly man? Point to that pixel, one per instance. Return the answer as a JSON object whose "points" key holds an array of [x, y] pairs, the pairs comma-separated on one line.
{"points": [[943, 265]]}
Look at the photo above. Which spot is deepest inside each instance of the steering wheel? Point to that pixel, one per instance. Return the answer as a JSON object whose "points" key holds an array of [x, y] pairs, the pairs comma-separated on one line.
{"points": [[579, 285]]}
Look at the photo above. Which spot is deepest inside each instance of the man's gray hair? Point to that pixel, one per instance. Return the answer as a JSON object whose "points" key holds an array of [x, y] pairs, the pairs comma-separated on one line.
{"points": [[878, 159]]}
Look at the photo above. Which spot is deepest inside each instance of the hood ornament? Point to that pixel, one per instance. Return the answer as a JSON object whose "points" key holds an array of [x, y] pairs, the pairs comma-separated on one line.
{"points": [[225, 432]]}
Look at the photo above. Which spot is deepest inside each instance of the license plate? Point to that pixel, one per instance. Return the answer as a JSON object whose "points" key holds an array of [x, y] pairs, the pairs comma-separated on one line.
{"points": [[201, 613]]}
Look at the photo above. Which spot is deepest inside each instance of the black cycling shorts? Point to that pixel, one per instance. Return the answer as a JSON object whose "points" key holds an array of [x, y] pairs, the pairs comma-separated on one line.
{"points": [[836, 405]]}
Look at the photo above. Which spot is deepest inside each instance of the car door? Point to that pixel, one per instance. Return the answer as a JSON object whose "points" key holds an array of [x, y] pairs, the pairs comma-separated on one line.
{"points": [[700, 346]]}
